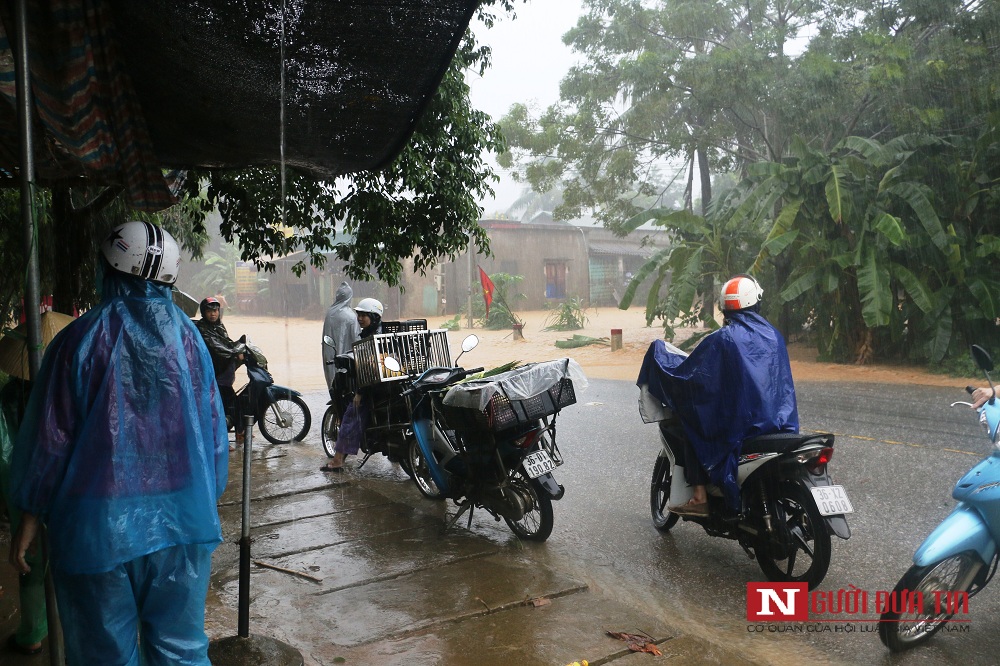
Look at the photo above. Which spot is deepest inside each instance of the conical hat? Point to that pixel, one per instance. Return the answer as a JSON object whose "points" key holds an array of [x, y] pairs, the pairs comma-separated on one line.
{"points": [[14, 344]]}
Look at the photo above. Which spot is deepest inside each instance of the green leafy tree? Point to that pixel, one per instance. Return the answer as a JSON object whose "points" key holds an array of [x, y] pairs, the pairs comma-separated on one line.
{"points": [[219, 274], [667, 93]]}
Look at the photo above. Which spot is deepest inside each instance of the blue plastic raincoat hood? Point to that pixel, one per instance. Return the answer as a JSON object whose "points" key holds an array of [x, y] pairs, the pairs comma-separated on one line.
{"points": [[123, 448], [736, 384]]}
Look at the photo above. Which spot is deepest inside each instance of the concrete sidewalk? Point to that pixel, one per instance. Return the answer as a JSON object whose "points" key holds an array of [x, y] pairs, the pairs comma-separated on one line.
{"points": [[356, 568]]}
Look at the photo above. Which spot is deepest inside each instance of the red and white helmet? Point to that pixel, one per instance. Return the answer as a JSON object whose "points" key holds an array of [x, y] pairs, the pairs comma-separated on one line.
{"points": [[740, 293], [143, 250]]}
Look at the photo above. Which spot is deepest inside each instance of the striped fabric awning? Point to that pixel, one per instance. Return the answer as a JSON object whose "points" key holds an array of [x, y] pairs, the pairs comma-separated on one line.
{"points": [[125, 89]]}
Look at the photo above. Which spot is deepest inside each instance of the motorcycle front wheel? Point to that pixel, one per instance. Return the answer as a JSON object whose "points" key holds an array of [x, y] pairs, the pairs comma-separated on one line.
{"points": [[536, 525], [285, 420], [914, 625], [331, 428], [659, 495], [799, 549], [422, 473]]}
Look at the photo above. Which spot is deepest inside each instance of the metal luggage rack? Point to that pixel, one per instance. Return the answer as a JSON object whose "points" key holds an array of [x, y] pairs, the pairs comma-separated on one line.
{"points": [[416, 351], [501, 413]]}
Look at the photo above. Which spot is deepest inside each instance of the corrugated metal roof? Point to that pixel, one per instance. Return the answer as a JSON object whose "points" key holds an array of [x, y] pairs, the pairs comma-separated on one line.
{"points": [[624, 249]]}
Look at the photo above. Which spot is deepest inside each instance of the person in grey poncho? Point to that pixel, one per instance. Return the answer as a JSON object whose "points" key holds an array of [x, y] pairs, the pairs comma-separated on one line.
{"points": [[341, 325]]}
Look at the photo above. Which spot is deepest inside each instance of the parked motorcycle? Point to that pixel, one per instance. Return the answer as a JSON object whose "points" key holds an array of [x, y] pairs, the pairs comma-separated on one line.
{"points": [[341, 393], [491, 443], [789, 505], [960, 556], [387, 431], [280, 412]]}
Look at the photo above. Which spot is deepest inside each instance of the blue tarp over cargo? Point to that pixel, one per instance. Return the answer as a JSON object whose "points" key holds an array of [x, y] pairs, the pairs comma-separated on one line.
{"points": [[736, 384]]}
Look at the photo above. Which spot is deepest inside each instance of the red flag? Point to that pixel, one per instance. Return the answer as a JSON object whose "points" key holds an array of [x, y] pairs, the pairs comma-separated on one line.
{"points": [[488, 289]]}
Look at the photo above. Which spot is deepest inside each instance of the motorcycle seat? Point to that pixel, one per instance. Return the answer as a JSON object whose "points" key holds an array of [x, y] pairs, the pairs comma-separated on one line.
{"points": [[781, 442]]}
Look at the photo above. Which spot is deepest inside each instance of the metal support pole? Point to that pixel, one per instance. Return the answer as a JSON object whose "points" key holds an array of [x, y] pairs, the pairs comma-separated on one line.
{"points": [[32, 297], [32, 288], [243, 627], [469, 252]]}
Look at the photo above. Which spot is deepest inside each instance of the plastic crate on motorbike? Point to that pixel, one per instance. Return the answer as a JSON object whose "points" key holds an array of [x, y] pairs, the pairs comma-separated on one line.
{"points": [[514, 398], [416, 351]]}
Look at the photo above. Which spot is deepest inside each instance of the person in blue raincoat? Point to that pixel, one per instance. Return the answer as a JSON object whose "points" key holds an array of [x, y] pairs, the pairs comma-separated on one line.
{"points": [[122, 455], [736, 384]]}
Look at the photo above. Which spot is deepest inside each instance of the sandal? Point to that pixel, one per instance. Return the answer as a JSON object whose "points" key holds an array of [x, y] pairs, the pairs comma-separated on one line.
{"points": [[12, 644], [692, 508], [330, 468]]}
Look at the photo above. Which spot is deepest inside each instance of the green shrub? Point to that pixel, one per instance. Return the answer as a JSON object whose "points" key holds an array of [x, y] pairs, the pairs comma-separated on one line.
{"points": [[570, 315], [501, 316]]}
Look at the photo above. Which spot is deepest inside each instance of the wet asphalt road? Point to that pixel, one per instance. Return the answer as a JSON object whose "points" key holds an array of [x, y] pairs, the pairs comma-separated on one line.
{"points": [[899, 452]]}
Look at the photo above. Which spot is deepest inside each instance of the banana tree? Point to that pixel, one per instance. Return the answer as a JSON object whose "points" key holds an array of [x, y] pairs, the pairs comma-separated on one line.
{"points": [[705, 249], [853, 220]]}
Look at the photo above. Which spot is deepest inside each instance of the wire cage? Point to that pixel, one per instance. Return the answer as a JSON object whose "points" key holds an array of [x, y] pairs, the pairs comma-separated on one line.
{"points": [[416, 351]]}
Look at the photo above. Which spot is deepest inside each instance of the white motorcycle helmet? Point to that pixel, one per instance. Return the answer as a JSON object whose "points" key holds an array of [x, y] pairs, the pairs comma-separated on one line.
{"points": [[369, 305], [143, 250], [741, 293]]}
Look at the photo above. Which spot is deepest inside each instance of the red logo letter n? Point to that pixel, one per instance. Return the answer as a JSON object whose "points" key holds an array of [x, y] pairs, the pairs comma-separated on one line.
{"points": [[777, 602]]}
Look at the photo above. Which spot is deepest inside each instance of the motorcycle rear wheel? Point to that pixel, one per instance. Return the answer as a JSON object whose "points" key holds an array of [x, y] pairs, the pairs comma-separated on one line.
{"points": [[422, 473], [404, 460], [291, 423], [799, 519], [536, 525], [900, 631], [659, 495], [331, 428]]}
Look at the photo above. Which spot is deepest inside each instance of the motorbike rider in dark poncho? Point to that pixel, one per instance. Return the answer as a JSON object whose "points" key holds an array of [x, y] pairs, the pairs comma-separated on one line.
{"points": [[736, 384], [122, 455], [226, 356]]}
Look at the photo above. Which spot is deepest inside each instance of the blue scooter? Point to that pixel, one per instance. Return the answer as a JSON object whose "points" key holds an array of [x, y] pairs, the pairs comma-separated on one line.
{"points": [[959, 557]]}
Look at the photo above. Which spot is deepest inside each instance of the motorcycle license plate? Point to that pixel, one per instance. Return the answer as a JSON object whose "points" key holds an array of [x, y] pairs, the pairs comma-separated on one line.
{"points": [[538, 463], [832, 500]]}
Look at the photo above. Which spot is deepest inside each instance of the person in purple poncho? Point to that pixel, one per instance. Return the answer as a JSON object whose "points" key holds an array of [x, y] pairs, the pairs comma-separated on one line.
{"points": [[736, 384], [122, 454]]}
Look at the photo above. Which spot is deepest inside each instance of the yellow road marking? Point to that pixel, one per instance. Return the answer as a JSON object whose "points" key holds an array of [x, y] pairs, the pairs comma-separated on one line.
{"points": [[890, 441]]}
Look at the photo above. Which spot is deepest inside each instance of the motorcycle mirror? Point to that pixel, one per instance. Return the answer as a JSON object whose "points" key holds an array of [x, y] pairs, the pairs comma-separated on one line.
{"points": [[982, 358], [327, 340], [391, 364], [984, 362], [470, 342]]}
